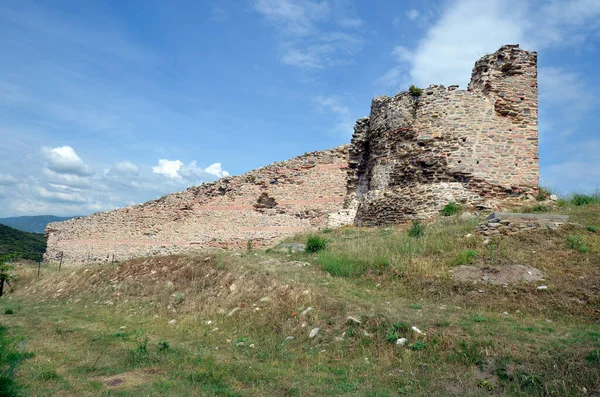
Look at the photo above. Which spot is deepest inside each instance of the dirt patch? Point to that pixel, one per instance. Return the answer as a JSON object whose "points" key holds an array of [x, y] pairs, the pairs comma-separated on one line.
{"points": [[129, 380], [497, 275]]}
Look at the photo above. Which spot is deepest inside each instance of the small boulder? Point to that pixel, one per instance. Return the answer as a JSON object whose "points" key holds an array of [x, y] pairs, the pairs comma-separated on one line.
{"points": [[401, 341], [314, 332]]}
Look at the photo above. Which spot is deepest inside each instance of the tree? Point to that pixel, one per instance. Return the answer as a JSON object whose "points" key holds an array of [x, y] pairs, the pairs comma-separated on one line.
{"points": [[6, 268]]}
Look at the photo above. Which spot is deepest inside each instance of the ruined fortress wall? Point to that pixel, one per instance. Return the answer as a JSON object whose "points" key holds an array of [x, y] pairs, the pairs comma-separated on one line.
{"points": [[262, 206], [415, 154]]}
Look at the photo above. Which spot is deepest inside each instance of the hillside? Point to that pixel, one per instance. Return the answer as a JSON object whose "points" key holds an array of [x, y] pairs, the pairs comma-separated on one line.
{"points": [[326, 323], [30, 245], [32, 224]]}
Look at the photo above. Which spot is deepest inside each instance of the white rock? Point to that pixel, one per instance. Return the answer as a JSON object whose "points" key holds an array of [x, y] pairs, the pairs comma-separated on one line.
{"points": [[314, 332], [542, 287], [305, 312], [417, 330], [123, 327], [231, 313], [265, 299], [354, 320], [505, 314], [553, 197], [208, 322], [401, 341], [214, 329], [172, 322], [289, 338], [232, 287]]}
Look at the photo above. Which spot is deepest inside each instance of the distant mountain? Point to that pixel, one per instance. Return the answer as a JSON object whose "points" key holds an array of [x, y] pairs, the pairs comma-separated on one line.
{"points": [[29, 245], [32, 224]]}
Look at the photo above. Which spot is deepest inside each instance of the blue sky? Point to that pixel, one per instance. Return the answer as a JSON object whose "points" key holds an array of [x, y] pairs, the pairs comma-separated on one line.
{"points": [[110, 103]]}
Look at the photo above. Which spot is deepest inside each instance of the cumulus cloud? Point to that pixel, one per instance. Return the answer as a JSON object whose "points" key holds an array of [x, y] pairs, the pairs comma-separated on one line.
{"points": [[64, 160], [217, 170], [413, 14], [175, 169], [168, 168], [60, 196]]}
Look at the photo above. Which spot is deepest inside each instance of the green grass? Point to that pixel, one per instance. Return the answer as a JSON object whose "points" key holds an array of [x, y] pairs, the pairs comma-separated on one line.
{"points": [[112, 322], [315, 244]]}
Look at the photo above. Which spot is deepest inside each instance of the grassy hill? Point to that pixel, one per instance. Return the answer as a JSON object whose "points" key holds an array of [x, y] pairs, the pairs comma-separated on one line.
{"points": [[32, 224], [240, 324], [30, 245]]}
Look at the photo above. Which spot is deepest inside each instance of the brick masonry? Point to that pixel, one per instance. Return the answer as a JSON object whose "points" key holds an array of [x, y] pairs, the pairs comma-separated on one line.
{"points": [[262, 206], [409, 158]]}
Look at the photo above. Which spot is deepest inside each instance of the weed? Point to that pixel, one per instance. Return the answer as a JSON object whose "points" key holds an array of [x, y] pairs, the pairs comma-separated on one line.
{"points": [[415, 306], [479, 318], [139, 355], [8, 310], [48, 375], [417, 229], [576, 243], [450, 209], [344, 265], [315, 244], [415, 91], [442, 324], [584, 199], [485, 384], [396, 331], [249, 246], [543, 194], [593, 356], [592, 229], [163, 345], [467, 354], [327, 230], [466, 257], [417, 346]]}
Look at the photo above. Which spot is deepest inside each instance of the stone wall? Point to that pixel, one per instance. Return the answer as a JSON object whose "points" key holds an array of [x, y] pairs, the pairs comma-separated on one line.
{"points": [[263, 206], [416, 153]]}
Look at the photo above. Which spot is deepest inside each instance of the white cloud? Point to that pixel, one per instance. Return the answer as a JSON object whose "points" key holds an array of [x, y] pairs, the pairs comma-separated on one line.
{"points": [[168, 168], [6, 179], [64, 160], [334, 104], [66, 179], [295, 18], [217, 170], [413, 14], [60, 196], [469, 29]]}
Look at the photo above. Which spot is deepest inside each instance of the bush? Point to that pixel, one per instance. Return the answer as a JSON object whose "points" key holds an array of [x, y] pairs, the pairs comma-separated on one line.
{"points": [[576, 243], [8, 310], [417, 346], [415, 91], [315, 244], [397, 331], [584, 199], [450, 209], [592, 229], [543, 194], [417, 229]]}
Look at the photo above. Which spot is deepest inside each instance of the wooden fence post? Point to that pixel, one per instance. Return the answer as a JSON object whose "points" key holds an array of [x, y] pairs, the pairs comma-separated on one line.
{"points": [[61, 259]]}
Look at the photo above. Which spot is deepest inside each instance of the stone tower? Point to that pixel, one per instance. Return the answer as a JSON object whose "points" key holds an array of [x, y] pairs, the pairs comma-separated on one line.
{"points": [[416, 153]]}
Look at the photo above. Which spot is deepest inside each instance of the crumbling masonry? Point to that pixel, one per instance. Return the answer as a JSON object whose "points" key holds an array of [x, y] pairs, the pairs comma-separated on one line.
{"points": [[410, 157]]}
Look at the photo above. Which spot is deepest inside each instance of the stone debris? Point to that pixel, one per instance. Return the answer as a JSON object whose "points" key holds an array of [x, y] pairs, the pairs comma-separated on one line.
{"points": [[232, 312], [401, 341], [417, 330], [172, 322], [496, 275], [314, 332], [306, 311], [513, 223], [353, 320], [542, 287]]}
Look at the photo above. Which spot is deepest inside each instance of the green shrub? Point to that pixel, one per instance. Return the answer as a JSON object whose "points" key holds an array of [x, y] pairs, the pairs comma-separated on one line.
{"points": [[592, 229], [584, 199], [417, 229], [8, 310], [415, 91], [164, 345], [543, 194], [593, 356], [465, 257], [396, 331], [479, 318], [576, 243], [450, 209], [417, 346], [540, 208], [315, 244]]}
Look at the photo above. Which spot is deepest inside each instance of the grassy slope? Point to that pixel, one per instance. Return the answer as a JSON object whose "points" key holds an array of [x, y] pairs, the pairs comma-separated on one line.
{"points": [[32, 246], [104, 330]]}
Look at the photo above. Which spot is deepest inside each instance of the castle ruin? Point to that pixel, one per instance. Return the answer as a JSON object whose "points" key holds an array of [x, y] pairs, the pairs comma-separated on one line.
{"points": [[415, 153]]}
